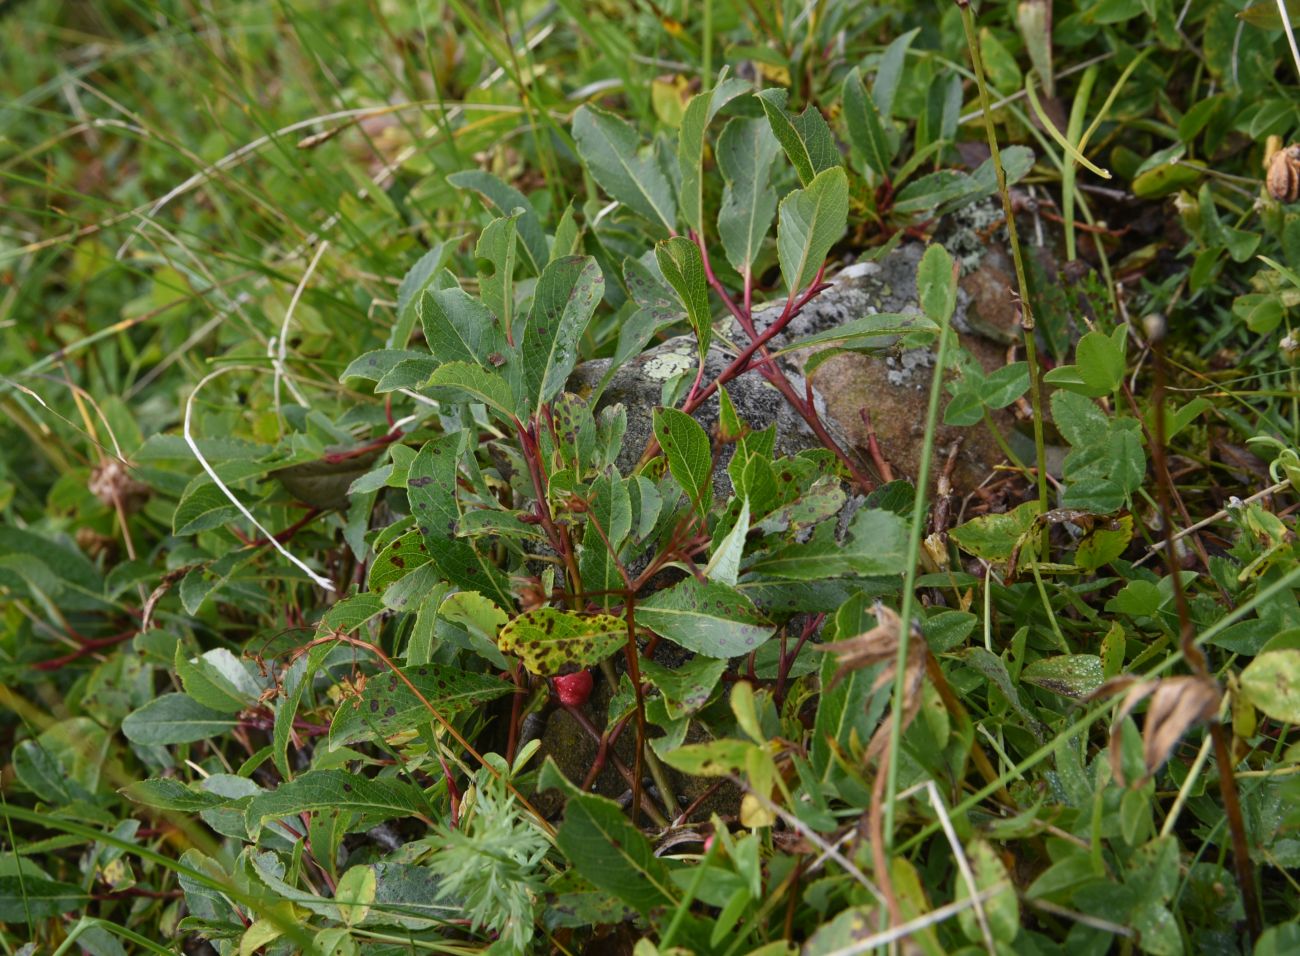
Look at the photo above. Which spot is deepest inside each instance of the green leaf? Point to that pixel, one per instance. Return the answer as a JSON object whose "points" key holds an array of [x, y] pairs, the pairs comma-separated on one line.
{"points": [[203, 508], [463, 382], [409, 373], [1101, 359], [745, 152], [504, 200], [992, 667], [1078, 419], [351, 612], [811, 220], [459, 328], [387, 705], [495, 254], [29, 896], [550, 641], [431, 491], [889, 74], [566, 296], [610, 505], [724, 564], [686, 688], [650, 290], [689, 454], [418, 278], [374, 365], [336, 790], [397, 559], [683, 266], [218, 680], [857, 333], [876, 546], [1002, 909], [1272, 683], [806, 138], [607, 850], [715, 758], [168, 794], [1070, 675], [866, 128], [482, 621], [1003, 386], [355, 894], [294, 682], [1104, 544], [712, 619], [1099, 365], [174, 719], [994, 536], [936, 284], [690, 146], [609, 148]]}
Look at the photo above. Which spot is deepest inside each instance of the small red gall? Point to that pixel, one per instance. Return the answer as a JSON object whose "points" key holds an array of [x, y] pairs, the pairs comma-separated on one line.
{"points": [[573, 689]]}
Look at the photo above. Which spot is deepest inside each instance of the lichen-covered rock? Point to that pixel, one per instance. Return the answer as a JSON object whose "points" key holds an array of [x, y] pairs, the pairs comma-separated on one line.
{"points": [[889, 388]]}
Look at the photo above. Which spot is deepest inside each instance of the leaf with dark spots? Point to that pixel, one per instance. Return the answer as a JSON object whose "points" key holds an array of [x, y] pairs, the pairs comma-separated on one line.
{"points": [[435, 501], [335, 790], [449, 689], [566, 296], [712, 619], [550, 641]]}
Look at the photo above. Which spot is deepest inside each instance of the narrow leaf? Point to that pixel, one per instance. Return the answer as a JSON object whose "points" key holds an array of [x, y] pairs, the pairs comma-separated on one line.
{"points": [[421, 276], [495, 252], [459, 328], [806, 138], [463, 382], [866, 129], [387, 705], [607, 850], [746, 149], [566, 296], [690, 456], [936, 284], [431, 491], [610, 150], [335, 790], [174, 719], [690, 145], [504, 200], [811, 221], [683, 266]]}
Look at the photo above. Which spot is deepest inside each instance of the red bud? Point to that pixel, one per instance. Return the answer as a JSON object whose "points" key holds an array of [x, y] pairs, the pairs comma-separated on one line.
{"points": [[573, 689]]}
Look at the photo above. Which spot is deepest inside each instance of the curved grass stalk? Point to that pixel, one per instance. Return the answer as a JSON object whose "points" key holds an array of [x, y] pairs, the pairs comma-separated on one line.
{"points": [[1027, 315], [909, 576]]}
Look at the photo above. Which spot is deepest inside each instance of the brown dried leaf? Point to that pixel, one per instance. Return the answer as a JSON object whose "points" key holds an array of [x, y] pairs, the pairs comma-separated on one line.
{"points": [[880, 646], [1177, 705], [876, 646]]}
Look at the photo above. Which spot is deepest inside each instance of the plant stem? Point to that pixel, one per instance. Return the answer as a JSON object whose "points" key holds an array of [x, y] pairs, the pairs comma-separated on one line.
{"points": [[1022, 286], [909, 579], [1196, 660]]}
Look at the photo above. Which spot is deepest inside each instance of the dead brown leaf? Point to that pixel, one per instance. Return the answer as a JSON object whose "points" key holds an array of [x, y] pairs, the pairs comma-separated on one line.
{"points": [[880, 646], [1177, 705]]}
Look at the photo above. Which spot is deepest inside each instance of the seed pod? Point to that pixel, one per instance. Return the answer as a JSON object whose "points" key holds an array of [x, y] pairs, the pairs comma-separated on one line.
{"points": [[1283, 178]]}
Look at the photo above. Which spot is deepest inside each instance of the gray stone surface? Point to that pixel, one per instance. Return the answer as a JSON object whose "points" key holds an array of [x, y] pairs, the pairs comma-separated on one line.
{"points": [[891, 388]]}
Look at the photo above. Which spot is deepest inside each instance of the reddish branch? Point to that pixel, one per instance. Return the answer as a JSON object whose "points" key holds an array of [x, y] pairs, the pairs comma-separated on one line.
{"points": [[766, 366]]}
